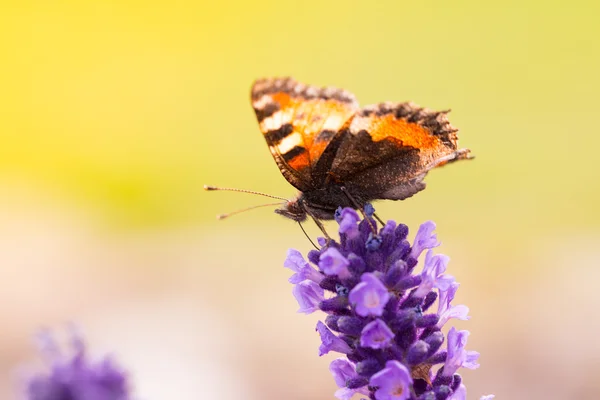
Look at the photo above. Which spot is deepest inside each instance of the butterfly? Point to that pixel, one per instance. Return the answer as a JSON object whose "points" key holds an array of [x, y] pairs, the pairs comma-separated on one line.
{"points": [[338, 154]]}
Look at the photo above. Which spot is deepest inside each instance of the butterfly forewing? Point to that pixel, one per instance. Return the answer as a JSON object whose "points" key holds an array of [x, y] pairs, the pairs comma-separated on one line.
{"points": [[299, 122]]}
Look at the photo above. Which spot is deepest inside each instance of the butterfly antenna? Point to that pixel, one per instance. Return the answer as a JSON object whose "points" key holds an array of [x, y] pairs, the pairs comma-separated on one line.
{"points": [[210, 188], [223, 216], [308, 237]]}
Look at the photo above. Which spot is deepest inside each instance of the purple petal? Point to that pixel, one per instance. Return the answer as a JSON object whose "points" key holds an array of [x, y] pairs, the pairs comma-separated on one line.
{"points": [[445, 311], [330, 342], [332, 262], [444, 282], [344, 393], [424, 239], [459, 394], [347, 393], [308, 294], [342, 370], [457, 355], [446, 296], [471, 360], [348, 221], [435, 266], [303, 270], [393, 382], [459, 312], [376, 335], [370, 296]]}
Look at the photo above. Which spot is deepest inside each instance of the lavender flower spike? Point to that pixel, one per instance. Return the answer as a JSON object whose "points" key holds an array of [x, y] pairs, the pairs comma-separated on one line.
{"points": [[73, 376], [379, 312]]}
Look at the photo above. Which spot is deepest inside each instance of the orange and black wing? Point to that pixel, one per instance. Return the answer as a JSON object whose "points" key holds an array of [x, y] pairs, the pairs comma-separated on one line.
{"points": [[389, 148], [298, 122]]}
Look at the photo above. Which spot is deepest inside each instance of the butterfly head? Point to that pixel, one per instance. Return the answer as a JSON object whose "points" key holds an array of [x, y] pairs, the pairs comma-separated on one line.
{"points": [[293, 209]]}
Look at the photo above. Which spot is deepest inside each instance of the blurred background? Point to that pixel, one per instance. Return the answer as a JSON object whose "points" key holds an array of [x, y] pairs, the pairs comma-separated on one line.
{"points": [[113, 114]]}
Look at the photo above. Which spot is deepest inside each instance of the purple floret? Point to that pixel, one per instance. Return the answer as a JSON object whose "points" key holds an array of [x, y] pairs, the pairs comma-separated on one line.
{"points": [[308, 295], [370, 296], [458, 356], [330, 342], [332, 262], [303, 270], [343, 372], [425, 239], [393, 382], [376, 335]]}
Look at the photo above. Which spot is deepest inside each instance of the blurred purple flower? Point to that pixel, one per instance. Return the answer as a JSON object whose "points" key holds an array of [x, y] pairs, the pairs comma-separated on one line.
{"points": [[393, 382], [71, 375], [378, 315]]}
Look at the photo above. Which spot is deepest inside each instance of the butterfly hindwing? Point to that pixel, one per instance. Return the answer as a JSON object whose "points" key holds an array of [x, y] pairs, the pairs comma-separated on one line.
{"points": [[389, 148], [299, 122]]}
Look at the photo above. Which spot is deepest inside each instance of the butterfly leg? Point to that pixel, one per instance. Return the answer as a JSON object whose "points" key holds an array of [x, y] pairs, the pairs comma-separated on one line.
{"points": [[308, 237], [322, 228], [320, 225], [379, 219], [361, 210]]}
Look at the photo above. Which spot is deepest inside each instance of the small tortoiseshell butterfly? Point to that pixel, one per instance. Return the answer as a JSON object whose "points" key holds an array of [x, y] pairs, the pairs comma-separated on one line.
{"points": [[338, 154]]}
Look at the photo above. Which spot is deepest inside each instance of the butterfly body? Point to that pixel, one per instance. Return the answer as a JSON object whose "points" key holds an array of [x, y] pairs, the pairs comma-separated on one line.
{"points": [[338, 154]]}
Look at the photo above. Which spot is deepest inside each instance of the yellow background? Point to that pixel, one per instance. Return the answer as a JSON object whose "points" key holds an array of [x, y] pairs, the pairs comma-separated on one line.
{"points": [[114, 114]]}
